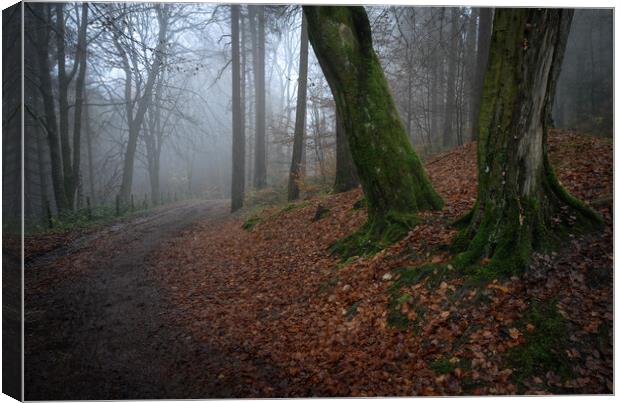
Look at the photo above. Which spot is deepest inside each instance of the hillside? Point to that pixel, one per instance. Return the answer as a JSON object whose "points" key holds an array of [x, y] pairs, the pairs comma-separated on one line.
{"points": [[272, 313]]}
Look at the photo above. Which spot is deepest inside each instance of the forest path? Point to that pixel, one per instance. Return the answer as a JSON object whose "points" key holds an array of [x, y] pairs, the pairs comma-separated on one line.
{"points": [[93, 312]]}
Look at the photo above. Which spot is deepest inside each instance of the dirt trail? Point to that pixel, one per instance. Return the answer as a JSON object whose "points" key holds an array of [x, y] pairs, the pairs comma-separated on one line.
{"points": [[93, 323]]}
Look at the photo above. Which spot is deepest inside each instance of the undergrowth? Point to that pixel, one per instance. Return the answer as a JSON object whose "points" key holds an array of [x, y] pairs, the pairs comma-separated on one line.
{"points": [[81, 218]]}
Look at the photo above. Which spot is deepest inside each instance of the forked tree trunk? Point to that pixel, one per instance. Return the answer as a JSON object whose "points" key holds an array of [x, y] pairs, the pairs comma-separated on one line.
{"points": [[143, 103], [521, 206], [392, 177], [346, 176], [300, 117], [238, 144]]}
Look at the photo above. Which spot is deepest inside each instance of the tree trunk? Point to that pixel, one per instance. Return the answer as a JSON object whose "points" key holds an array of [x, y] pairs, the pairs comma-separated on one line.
{"points": [[238, 145], [392, 176], [154, 179], [45, 86], [520, 206], [448, 127], [260, 155], [63, 106], [89, 152], [437, 80], [346, 176], [300, 115], [482, 57], [469, 61], [135, 122], [247, 86], [79, 98]]}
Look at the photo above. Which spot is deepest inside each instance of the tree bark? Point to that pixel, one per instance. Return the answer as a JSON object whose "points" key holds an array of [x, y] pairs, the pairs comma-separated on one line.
{"points": [[392, 176], [135, 121], [89, 153], [63, 106], [300, 116], [45, 86], [437, 79], [346, 176], [448, 127], [520, 205], [469, 76], [260, 155], [79, 99], [238, 144], [482, 57]]}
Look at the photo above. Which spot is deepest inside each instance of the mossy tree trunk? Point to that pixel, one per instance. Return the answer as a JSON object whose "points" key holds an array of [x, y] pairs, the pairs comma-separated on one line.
{"points": [[346, 176], [392, 177], [484, 41], [520, 205]]}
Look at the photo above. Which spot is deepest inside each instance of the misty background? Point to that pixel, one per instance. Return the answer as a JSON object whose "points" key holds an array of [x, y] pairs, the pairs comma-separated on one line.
{"points": [[183, 83]]}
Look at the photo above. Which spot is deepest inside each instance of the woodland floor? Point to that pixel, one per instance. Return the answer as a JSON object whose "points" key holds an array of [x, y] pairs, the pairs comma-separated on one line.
{"points": [[185, 303]]}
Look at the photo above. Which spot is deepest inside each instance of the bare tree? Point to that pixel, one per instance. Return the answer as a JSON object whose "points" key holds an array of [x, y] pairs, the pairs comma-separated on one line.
{"points": [[260, 154], [238, 146], [300, 117], [136, 107]]}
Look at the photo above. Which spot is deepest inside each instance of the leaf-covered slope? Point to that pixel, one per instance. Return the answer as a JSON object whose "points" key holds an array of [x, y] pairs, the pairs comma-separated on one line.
{"points": [[292, 320]]}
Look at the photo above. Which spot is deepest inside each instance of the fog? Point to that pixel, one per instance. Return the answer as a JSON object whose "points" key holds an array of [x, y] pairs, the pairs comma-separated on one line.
{"points": [[175, 96]]}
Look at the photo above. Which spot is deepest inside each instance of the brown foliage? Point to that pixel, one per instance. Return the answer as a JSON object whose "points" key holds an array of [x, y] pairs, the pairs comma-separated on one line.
{"points": [[293, 321]]}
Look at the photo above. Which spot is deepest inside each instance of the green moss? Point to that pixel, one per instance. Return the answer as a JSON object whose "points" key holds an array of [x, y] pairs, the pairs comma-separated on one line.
{"points": [[251, 222], [295, 206], [513, 217], [406, 276], [442, 366], [508, 235], [352, 310], [405, 298], [432, 274], [394, 181], [360, 204], [398, 320], [375, 235], [543, 350]]}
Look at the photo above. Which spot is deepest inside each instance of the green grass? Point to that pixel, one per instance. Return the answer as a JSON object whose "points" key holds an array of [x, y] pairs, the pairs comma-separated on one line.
{"points": [[294, 206], [81, 218], [256, 214]]}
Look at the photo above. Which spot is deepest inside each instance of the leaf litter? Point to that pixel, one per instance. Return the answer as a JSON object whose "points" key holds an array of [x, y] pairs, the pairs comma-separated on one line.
{"points": [[401, 322]]}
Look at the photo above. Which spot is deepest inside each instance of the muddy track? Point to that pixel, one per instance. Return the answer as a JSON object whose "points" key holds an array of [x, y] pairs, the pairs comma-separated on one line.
{"points": [[99, 333]]}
